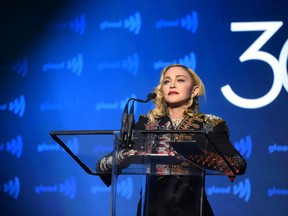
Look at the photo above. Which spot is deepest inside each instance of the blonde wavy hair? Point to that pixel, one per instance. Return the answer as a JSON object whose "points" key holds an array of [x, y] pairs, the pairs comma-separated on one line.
{"points": [[192, 106]]}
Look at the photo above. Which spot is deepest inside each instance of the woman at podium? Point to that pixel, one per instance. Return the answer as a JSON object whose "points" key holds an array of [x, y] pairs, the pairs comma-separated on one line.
{"points": [[173, 191]]}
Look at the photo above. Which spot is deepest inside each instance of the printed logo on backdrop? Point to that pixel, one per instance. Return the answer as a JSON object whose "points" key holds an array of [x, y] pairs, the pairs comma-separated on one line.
{"points": [[188, 60], [244, 146], [254, 52], [71, 105], [125, 188], [68, 188], [276, 148], [129, 64], [133, 24], [12, 188], [189, 22], [72, 144], [78, 25], [14, 146], [116, 105], [17, 106], [242, 190], [277, 192], [20, 66], [74, 65]]}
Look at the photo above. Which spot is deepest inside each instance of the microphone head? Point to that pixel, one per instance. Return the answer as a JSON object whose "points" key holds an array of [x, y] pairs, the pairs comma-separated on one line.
{"points": [[151, 96]]}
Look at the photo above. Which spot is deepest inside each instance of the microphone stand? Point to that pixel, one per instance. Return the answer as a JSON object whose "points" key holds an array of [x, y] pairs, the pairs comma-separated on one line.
{"points": [[124, 124], [128, 121], [131, 124]]}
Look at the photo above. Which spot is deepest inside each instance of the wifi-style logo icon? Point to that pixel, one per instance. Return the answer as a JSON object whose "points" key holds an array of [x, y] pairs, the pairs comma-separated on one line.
{"points": [[21, 66], [133, 23], [125, 188], [131, 64], [189, 60], [12, 188], [75, 65], [15, 146], [243, 190], [18, 106], [190, 22], [69, 188], [244, 146], [78, 24]]}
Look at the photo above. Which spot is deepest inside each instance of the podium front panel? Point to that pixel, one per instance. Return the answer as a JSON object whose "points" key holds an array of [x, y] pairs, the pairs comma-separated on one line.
{"points": [[161, 157], [168, 174]]}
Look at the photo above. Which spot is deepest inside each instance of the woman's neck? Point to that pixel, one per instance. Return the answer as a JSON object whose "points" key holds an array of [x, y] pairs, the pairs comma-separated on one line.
{"points": [[176, 113]]}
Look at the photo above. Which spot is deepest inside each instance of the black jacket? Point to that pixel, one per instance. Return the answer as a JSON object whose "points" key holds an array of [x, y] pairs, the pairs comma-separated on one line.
{"points": [[172, 192]]}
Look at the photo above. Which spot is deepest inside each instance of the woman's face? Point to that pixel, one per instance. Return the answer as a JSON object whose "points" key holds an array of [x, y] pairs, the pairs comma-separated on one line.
{"points": [[177, 87]]}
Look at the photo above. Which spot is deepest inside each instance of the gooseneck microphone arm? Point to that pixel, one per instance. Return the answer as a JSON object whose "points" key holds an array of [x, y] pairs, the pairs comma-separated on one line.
{"points": [[128, 121]]}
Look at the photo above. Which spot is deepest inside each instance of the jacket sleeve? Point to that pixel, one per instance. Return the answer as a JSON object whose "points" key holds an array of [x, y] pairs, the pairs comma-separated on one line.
{"points": [[219, 141], [104, 165]]}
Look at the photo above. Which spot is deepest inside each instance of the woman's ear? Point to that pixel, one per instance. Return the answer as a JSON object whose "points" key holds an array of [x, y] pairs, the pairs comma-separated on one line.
{"points": [[195, 91]]}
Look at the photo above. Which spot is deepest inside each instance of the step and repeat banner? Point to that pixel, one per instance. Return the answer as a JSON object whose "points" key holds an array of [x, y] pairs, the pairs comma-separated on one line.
{"points": [[87, 58]]}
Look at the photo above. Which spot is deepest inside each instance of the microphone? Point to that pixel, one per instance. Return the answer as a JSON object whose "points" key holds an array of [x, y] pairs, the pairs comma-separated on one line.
{"points": [[131, 121], [128, 121], [124, 126], [150, 96]]}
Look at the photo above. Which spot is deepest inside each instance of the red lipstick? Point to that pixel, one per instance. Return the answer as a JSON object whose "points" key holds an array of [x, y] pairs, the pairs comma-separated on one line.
{"points": [[172, 92]]}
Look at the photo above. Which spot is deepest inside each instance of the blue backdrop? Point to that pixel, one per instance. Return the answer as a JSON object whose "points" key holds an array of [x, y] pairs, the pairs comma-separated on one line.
{"points": [[73, 65]]}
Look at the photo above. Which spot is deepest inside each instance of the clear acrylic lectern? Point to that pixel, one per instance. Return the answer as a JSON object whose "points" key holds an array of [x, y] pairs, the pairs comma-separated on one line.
{"points": [[186, 149]]}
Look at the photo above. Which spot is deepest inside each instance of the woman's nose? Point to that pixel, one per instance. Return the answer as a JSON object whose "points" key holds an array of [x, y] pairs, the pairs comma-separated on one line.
{"points": [[172, 85]]}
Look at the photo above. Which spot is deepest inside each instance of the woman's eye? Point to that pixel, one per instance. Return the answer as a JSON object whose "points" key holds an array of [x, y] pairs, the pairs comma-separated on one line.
{"points": [[180, 80], [165, 82]]}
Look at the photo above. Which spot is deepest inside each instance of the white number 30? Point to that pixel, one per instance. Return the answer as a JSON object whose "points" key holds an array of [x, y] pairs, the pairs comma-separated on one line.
{"points": [[254, 53]]}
